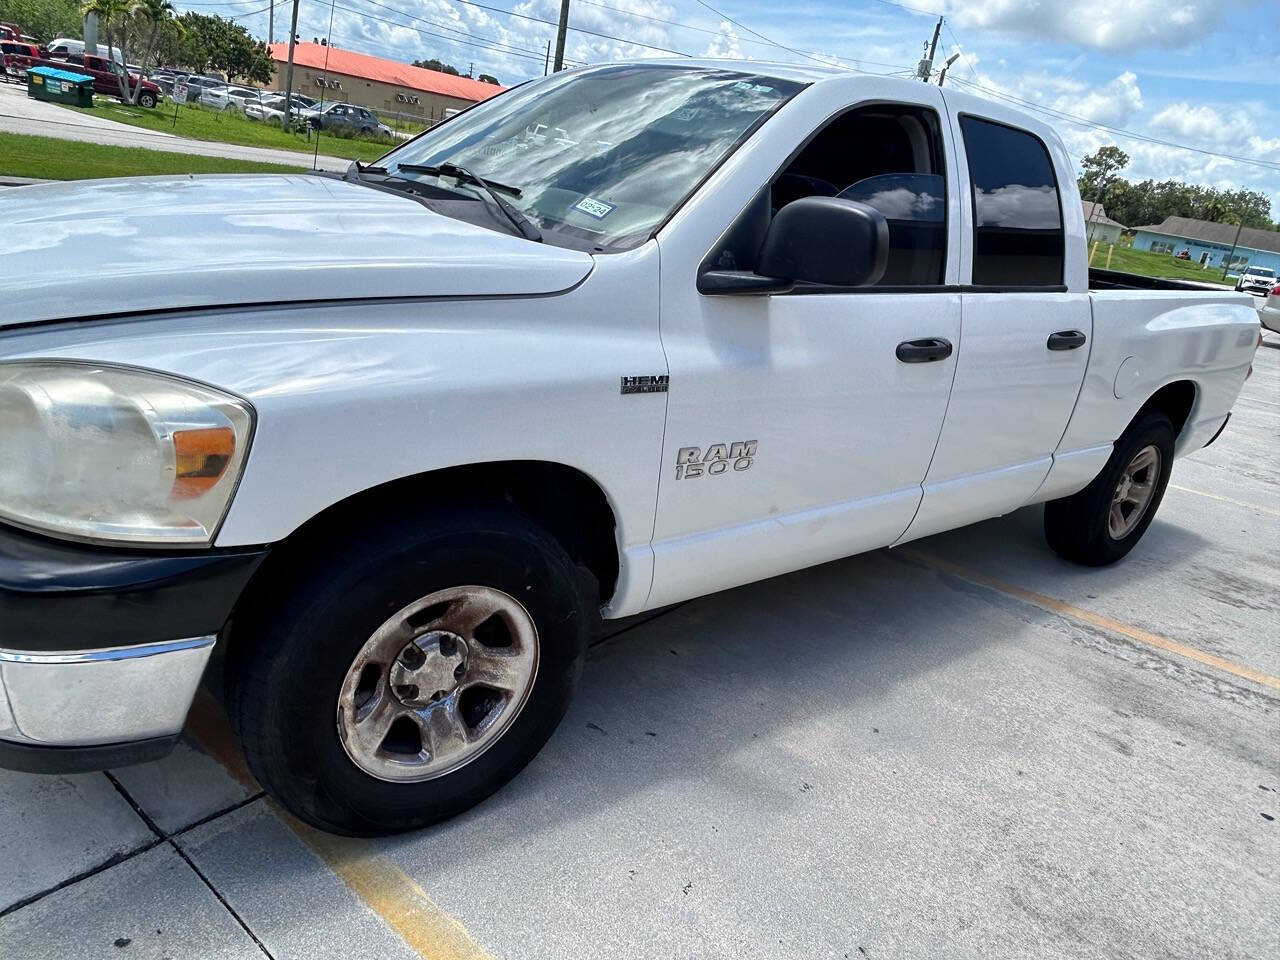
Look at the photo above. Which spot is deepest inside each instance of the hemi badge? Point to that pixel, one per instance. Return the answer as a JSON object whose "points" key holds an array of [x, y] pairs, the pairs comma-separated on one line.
{"points": [[645, 384]]}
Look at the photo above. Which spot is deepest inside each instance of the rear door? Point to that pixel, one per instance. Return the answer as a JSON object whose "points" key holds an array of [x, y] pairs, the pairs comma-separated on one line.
{"points": [[1025, 330]]}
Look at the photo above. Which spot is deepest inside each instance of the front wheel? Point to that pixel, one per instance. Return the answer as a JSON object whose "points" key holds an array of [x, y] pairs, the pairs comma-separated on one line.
{"points": [[411, 670], [1105, 520], [147, 99]]}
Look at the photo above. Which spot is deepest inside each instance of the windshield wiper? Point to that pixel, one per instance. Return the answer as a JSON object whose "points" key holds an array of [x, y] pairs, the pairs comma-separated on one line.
{"points": [[518, 220], [357, 168], [453, 170]]}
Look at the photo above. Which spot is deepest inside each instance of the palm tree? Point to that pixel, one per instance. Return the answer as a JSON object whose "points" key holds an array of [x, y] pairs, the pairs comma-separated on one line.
{"points": [[114, 17], [158, 13]]}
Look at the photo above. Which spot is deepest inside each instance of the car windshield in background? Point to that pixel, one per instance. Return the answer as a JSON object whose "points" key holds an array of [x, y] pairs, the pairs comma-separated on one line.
{"points": [[600, 157], [1262, 272]]}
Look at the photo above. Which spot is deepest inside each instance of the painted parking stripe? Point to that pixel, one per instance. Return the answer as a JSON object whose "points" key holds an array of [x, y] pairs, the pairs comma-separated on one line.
{"points": [[1064, 609], [1215, 496], [384, 888]]}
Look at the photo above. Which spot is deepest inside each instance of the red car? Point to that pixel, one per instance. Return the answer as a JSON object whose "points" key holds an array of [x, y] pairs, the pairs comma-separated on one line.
{"points": [[105, 75], [15, 57]]}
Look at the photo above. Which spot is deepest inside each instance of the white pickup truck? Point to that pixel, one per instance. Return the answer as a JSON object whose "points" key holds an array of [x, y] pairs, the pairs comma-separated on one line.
{"points": [[418, 427]]}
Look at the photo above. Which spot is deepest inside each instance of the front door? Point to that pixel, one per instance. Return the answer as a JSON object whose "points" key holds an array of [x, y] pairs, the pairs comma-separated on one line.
{"points": [[796, 433]]}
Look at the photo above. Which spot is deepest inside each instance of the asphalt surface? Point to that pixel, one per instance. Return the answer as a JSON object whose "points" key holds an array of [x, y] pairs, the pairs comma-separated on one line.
{"points": [[964, 748], [20, 114]]}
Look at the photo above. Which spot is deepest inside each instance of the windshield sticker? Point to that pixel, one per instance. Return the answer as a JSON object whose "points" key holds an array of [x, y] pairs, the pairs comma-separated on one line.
{"points": [[595, 208]]}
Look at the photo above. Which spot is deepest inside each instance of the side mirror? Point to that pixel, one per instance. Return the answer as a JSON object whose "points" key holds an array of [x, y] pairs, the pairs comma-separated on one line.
{"points": [[823, 240]]}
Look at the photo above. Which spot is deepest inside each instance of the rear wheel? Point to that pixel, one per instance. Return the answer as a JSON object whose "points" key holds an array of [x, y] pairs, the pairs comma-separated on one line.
{"points": [[1104, 521], [412, 670]]}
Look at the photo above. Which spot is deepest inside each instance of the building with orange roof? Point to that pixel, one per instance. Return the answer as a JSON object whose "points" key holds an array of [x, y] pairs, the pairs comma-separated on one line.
{"points": [[386, 86]]}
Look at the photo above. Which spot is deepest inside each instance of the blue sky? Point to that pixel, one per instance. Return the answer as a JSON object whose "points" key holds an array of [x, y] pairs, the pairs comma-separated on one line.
{"points": [[1195, 72]]}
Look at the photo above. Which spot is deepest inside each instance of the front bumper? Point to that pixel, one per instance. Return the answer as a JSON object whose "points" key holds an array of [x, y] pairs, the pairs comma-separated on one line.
{"points": [[101, 649], [65, 712]]}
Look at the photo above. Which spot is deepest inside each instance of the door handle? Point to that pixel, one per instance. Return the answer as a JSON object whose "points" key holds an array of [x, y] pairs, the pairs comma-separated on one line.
{"points": [[1065, 340], [926, 350]]}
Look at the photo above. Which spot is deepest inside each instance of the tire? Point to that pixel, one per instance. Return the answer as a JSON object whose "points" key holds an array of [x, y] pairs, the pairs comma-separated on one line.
{"points": [[147, 99], [294, 690], [1080, 528]]}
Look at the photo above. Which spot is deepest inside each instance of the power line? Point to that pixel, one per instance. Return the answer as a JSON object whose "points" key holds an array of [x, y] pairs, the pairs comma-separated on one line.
{"points": [[428, 33], [758, 39], [1119, 131], [452, 29], [554, 23]]}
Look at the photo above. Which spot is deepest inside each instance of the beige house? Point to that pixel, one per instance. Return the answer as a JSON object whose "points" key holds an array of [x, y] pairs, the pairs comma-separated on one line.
{"points": [[384, 86], [1098, 227]]}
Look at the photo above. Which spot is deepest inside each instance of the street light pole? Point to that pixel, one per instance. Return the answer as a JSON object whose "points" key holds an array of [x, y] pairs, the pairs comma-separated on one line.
{"points": [[560, 35], [288, 76]]}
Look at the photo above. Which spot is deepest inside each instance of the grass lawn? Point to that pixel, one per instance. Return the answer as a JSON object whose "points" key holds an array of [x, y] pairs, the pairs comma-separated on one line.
{"points": [[1148, 264], [229, 126], [51, 159]]}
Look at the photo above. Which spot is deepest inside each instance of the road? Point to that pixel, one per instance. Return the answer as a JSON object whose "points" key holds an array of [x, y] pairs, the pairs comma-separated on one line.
{"points": [[961, 748], [20, 114]]}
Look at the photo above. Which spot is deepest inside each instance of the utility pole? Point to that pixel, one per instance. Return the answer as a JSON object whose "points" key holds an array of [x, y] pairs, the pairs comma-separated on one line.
{"points": [[925, 68], [560, 34], [271, 23], [288, 76], [947, 66], [546, 64], [1226, 263]]}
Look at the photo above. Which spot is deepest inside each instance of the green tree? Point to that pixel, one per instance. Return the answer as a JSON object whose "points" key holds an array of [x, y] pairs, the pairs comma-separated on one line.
{"points": [[210, 43], [44, 19], [434, 64], [114, 19], [488, 78], [156, 15], [1100, 171]]}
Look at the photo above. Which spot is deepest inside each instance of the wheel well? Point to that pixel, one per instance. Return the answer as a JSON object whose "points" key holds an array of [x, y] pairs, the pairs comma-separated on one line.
{"points": [[1174, 400], [566, 502]]}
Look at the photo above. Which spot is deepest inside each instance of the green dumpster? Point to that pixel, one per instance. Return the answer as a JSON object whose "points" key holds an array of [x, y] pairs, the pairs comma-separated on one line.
{"points": [[60, 86]]}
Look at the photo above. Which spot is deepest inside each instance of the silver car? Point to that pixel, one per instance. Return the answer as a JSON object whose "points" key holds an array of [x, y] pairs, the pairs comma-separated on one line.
{"points": [[1269, 311]]}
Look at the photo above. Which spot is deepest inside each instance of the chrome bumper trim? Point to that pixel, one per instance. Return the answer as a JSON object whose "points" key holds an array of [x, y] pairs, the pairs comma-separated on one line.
{"points": [[88, 697]]}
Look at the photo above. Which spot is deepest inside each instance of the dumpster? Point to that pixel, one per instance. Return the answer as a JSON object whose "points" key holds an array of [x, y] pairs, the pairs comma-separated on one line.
{"points": [[60, 86]]}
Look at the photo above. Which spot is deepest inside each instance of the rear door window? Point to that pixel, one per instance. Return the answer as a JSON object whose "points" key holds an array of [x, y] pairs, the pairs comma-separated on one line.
{"points": [[1017, 221]]}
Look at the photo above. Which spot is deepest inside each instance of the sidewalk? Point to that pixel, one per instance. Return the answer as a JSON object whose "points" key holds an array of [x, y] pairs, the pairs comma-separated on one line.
{"points": [[20, 114]]}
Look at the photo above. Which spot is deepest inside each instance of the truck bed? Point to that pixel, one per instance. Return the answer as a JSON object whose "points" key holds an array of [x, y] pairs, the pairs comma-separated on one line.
{"points": [[1100, 279]]}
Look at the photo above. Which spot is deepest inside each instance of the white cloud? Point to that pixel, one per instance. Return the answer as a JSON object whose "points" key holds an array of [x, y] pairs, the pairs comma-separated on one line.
{"points": [[1112, 25], [726, 44], [1112, 104]]}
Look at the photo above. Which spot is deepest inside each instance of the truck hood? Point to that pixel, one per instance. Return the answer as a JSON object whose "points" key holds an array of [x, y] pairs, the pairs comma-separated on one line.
{"points": [[107, 247]]}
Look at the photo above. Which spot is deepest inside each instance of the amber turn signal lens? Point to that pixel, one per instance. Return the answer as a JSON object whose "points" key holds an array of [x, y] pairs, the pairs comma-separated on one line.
{"points": [[201, 456]]}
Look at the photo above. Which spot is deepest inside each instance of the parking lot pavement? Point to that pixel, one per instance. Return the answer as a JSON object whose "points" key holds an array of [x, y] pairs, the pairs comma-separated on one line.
{"points": [[20, 114], [963, 747]]}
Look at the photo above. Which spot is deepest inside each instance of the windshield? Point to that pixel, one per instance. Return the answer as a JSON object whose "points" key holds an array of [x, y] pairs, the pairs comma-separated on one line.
{"points": [[600, 157], [1262, 271]]}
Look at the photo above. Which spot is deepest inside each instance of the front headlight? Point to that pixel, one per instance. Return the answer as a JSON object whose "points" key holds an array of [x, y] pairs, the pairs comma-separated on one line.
{"points": [[110, 453]]}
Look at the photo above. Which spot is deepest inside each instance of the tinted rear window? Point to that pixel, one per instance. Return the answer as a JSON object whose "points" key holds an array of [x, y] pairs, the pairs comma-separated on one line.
{"points": [[1018, 237]]}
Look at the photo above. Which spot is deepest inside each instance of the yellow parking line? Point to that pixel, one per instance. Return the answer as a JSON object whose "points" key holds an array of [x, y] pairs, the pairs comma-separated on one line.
{"points": [[384, 888], [1062, 608], [1239, 503]]}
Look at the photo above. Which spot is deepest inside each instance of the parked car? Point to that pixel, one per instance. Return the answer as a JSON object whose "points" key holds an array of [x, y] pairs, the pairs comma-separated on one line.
{"points": [[1269, 311], [15, 57], [105, 75], [238, 98], [270, 109], [416, 428], [347, 117], [203, 90], [1254, 279]]}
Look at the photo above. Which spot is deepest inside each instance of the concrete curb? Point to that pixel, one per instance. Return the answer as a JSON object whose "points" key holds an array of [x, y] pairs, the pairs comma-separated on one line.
{"points": [[19, 181]]}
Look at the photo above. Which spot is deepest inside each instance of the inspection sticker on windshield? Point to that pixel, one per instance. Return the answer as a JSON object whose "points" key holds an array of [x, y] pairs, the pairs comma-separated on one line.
{"points": [[595, 208]]}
